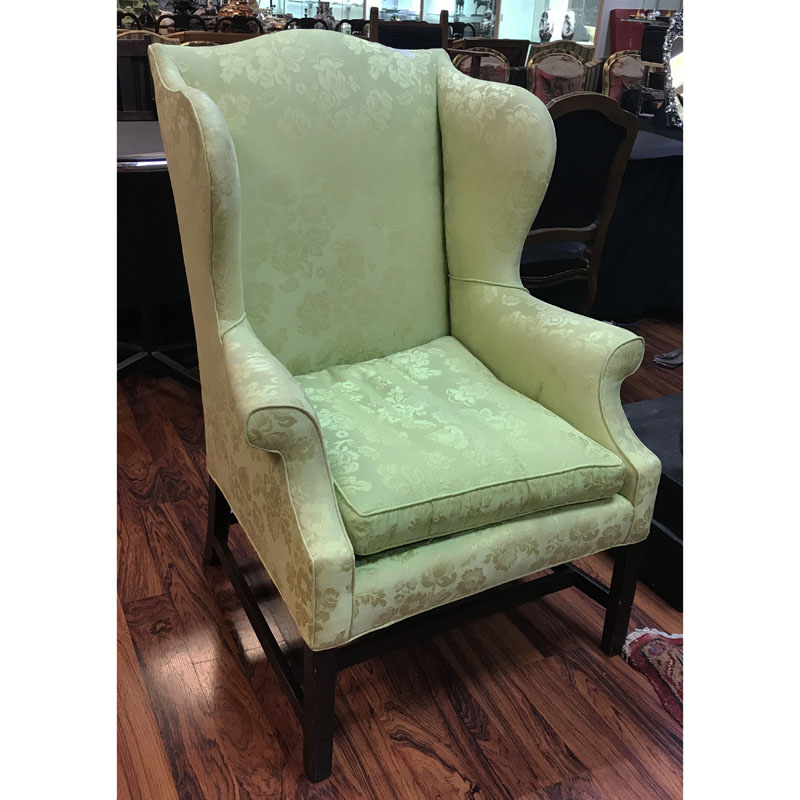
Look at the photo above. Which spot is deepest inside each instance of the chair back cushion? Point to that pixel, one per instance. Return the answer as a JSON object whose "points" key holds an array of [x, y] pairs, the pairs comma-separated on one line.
{"points": [[339, 157], [626, 72], [587, 145], [557, 75]]}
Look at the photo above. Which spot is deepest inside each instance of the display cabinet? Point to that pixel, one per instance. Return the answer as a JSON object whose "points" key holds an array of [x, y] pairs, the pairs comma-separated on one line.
{"points": [[480, 14]]}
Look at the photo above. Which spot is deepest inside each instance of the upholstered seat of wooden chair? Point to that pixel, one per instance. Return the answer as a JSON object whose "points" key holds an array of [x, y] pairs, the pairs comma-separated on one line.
{"points": [[396, 423]]}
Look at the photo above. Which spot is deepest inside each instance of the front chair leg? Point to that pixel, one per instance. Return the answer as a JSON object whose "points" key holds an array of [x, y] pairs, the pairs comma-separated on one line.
{"points": [[319, 690], [219, 518], [620, 598]]}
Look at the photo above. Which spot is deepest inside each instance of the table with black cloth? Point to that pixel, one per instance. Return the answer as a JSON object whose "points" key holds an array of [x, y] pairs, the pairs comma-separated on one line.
{"points": [[641, 270], [154, 323]]}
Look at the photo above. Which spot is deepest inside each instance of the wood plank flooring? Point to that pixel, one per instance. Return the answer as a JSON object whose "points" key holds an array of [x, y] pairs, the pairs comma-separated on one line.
{"points": [[519, 705]]}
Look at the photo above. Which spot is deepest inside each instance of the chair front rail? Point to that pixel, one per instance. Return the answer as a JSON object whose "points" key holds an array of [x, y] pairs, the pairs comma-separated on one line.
{"points": [[310, 686], [414, 629]]}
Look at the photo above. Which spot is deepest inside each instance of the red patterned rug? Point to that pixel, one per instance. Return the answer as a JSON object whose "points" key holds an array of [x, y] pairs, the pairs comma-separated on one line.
{"points": [[659, 657]]}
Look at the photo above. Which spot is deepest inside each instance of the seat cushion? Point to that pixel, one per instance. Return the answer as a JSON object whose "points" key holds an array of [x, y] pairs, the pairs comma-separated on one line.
{"points": [[427, 442]]}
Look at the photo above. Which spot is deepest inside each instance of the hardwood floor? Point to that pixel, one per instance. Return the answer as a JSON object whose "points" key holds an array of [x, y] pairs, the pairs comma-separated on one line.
{"points": [[519, 705]]}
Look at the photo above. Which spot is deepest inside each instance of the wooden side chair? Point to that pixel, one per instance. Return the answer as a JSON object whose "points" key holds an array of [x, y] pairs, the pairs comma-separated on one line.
{"points": [[483, 63], [595, 137], [515, 50], [408, 34], [405, 434]]}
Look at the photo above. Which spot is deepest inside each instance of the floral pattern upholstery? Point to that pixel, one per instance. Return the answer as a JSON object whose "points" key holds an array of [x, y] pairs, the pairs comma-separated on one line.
{"points": [[556, 75], [427, 442], [298, 264]]}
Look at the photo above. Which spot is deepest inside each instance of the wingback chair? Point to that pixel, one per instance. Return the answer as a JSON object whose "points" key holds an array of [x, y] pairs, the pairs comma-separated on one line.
{"points": [[395, 422]]}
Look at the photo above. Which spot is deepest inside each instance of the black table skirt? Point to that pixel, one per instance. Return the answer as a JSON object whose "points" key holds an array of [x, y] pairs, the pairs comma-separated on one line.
{"points": [[641, 270]]}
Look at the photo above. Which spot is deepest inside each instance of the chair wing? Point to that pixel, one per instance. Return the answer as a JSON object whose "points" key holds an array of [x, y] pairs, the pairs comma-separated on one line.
{"points": [[571, 364]]}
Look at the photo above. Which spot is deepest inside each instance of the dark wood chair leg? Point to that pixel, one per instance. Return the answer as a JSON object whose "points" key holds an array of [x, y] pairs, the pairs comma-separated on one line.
{"points": [[620, 599], [319, 691], [219, 517]]}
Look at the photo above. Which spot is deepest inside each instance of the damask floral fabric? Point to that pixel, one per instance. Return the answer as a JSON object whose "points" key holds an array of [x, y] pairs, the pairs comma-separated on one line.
{"points": [[427, 442], [341, 194], [299, 260], [396, 585]]}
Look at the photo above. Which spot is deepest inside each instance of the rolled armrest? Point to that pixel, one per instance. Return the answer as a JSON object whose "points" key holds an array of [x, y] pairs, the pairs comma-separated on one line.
{"points": [[274, 415], [273, 409], [570, 364]]}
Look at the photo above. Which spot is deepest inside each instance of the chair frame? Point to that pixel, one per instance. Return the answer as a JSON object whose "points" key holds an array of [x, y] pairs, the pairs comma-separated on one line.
{"points": [[537, 57], [375, 23], [610, 61], [309, 676], [584, 52], [593, 235], [477, 54], [515, 50]]}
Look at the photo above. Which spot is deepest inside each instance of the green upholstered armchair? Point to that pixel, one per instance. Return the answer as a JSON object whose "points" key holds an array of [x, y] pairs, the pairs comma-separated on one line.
{"points": [[395, 422]]}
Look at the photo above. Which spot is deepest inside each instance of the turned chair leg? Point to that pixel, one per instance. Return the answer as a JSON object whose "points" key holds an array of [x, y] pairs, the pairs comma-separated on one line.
{"points": [[620, 599], [219, 517], [319, 690]]}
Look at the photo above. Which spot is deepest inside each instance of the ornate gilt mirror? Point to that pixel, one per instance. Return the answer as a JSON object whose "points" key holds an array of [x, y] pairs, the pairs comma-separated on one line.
{"points": [[673, 69]]}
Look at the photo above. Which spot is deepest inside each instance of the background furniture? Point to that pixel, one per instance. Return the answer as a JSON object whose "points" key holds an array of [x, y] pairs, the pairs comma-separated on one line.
{"points": [[622, 72], [458, 29], [594, 139], [215, 37], [624, 35], [483, 63], [357, 25], [408, 35], [515, 50], [553, 75], [584, 52], [154, 326], [659, 424], [307, 23], [135, 95], [281, 309], [641, 270], [553, 69]]}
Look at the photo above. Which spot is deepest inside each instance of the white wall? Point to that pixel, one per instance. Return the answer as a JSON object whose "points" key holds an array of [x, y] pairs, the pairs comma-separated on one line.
{"points": [[516, 19]]}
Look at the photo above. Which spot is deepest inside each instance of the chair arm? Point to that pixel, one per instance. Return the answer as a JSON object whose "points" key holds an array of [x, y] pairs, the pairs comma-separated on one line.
{"points": [[275, 416], [570, 364]]}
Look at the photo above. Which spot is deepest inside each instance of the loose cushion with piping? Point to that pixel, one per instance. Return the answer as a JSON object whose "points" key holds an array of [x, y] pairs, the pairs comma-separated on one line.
{"points": [[427, 441]]}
